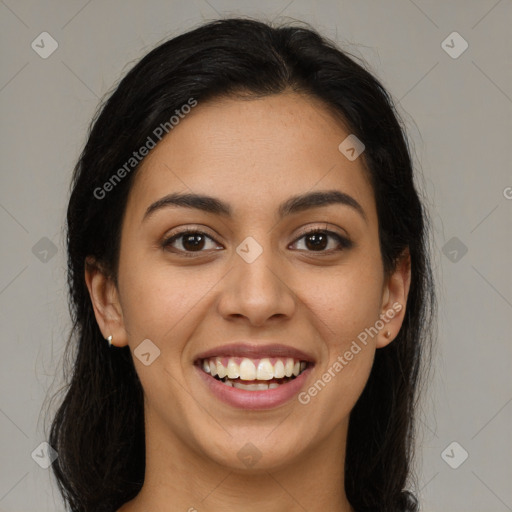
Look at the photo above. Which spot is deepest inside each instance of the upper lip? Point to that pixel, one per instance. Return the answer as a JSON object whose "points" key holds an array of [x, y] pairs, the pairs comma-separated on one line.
{"points": [[251, 350]]}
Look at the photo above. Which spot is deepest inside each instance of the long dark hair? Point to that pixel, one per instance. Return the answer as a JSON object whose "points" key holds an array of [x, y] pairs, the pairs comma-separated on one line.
{"points": [[98, 429]]}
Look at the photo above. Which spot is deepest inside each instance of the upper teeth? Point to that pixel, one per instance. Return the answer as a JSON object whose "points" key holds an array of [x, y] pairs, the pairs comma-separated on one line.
{"points": [[253, 369]]}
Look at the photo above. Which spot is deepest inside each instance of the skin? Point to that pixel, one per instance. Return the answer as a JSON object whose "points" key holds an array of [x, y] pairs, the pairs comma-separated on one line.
{"points": [[253, 154]]}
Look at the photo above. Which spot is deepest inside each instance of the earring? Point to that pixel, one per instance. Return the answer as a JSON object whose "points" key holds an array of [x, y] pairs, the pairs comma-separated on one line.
{"points": [[109, 339], [387, 334]]}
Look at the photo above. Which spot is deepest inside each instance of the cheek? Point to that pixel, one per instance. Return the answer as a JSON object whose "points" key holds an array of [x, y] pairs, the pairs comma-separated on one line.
{"points": [[345, 306], [157, 302], [342, 311], [347, 302]]}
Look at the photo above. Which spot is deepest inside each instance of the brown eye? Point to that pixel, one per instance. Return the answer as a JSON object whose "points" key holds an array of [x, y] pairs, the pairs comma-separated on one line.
{"points": [[317, 240], [190, 241], [193, 241]]}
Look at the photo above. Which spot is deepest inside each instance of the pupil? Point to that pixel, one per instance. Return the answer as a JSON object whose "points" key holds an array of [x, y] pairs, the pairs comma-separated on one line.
{"points": [[195, 244], [316, 237]]}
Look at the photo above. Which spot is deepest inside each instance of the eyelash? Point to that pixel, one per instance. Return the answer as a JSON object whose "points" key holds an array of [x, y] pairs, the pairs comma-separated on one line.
{"points": [[345, 243]]}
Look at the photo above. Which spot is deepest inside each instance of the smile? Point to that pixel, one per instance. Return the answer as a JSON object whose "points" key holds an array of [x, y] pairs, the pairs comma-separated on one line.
{"points": [[253, 374]]}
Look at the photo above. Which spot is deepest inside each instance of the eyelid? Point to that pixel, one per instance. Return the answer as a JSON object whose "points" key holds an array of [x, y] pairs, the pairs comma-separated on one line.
{"points": [[323, 228]]}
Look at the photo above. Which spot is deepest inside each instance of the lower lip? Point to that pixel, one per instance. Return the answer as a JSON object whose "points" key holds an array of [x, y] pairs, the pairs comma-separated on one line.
{"points": [[255, 400]]}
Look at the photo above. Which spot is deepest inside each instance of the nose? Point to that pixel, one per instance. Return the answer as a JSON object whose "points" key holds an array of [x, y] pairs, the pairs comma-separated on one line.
{"points": [[256, 291]]}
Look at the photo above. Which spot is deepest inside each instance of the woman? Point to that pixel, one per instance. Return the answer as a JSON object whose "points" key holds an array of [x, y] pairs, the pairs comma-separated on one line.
{"points": [[244, 231]]}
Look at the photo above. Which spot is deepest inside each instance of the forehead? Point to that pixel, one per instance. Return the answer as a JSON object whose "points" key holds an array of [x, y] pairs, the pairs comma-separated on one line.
{"points": [[253, 152]]}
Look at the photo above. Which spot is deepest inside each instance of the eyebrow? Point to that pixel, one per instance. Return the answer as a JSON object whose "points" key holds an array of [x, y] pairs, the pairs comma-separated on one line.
{"points": [[291, 206]]}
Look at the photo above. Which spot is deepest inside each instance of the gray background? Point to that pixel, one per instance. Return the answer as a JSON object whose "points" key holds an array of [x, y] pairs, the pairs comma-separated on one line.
{"points": [[458, 113]]}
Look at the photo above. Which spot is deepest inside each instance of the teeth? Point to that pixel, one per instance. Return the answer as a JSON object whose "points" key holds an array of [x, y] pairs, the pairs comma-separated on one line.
{"points": [[251, 387], [221, 371], [279, 369], [213, 368], [265, 370], [247, 369], [233, 369], [261, 386], [288, 367]]}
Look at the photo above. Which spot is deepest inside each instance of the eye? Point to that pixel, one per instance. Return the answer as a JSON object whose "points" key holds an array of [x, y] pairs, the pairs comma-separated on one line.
{"points": [[317, 239], [191, 240], [194, 241]]}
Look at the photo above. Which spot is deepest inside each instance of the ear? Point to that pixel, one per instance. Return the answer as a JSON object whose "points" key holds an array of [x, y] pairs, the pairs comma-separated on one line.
{"points": [[394, 299], [105, 302]]}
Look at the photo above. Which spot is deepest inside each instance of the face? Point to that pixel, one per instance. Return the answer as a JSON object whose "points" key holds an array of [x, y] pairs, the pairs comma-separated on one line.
{"points": [[275, 272]]}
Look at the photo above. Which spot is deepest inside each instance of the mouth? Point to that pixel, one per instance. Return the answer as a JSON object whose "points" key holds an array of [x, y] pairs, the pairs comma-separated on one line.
{"points": [[253, 374], [254, 377]]}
